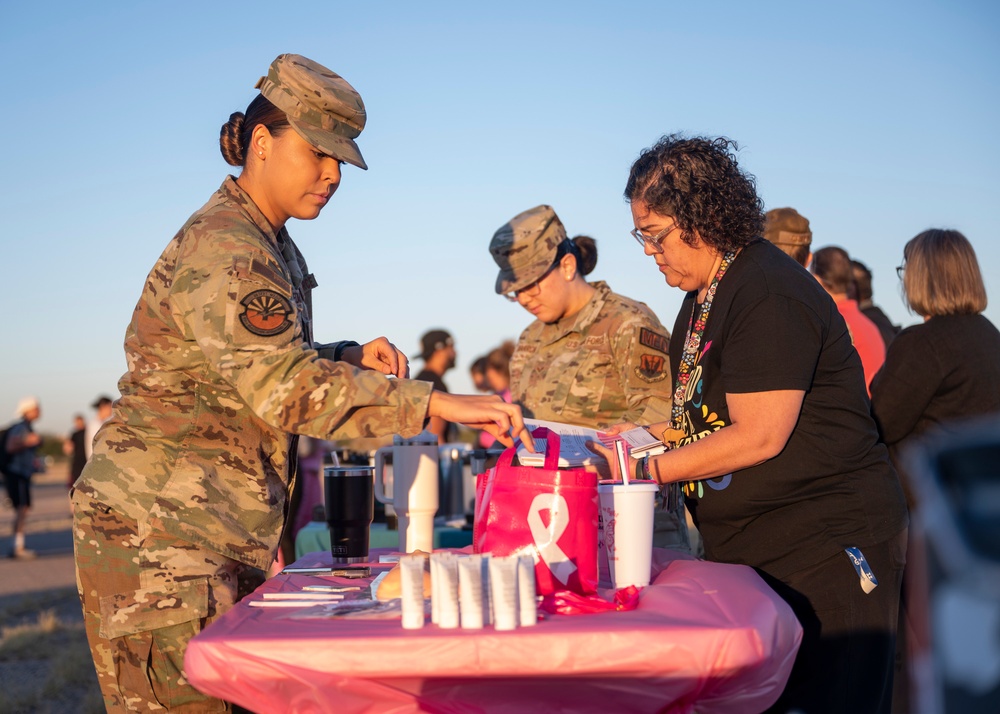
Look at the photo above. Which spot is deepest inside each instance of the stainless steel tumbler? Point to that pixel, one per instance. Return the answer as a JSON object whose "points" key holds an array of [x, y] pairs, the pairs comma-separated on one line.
{"points": [[350, 506]]}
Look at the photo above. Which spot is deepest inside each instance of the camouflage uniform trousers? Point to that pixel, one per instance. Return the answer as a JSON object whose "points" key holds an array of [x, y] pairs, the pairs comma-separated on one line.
{"points": [[145, 594]]}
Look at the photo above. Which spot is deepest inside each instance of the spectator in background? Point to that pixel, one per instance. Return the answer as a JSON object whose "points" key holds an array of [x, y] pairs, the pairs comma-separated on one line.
{"points": [[75, 448], [498, 380], [863, 286], [937, 373], [832, 268], [103, 404], [437, 350], [477, 371], [788, 230], [948, 366], [22, 462], [498, 370]]}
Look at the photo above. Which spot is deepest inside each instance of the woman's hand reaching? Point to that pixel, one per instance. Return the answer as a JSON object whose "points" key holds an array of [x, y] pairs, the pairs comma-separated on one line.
{"points": [[379, 355], [489, 413]]}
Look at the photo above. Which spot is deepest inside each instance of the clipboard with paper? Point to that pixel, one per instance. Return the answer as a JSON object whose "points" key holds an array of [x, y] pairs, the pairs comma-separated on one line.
{"points": [[573, 451]]}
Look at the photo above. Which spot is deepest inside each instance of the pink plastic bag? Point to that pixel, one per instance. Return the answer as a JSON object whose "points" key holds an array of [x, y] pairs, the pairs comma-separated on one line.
{"points": [[547, 512], [567, 603]]}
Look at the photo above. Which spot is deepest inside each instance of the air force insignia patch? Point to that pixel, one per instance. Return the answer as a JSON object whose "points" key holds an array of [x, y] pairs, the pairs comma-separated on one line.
{"points": [[652, 368], [266, 313]]}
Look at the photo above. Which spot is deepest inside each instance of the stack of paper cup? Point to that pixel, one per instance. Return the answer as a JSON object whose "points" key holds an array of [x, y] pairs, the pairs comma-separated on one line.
{"points": [[627, 520]]}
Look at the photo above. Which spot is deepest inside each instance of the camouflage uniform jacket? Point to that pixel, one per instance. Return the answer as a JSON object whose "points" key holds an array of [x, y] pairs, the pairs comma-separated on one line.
{"points": [[221, 371], [603, 365]]}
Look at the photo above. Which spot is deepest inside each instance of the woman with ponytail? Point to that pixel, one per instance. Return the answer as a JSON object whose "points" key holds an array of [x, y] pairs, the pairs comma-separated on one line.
{"points": [[591, 357], [179, 512]]}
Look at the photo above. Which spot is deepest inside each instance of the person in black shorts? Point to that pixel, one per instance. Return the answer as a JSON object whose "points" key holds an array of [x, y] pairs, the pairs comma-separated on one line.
{"points": [[21, 446]]}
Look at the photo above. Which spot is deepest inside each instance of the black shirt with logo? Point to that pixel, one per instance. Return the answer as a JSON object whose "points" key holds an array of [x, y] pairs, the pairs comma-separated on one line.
{"points": [[772, 327]]}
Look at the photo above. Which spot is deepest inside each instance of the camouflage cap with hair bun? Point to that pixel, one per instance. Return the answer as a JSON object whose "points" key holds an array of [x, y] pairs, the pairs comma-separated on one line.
{"points": [[321, 106], [525, 247]]}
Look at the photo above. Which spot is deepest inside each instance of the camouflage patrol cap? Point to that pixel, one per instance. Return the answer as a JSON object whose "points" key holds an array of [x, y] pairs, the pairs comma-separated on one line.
{"points": [[525, 247], [321, 106], [784, 226]]}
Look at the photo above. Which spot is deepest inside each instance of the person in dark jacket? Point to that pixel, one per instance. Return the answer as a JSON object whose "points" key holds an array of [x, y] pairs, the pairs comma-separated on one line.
{"points": [[74, 447], [946, 368], [22, 462], [937, 375]]}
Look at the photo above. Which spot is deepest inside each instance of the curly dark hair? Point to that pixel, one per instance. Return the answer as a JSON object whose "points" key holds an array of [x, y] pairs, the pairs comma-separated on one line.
{"points": [[698, 183]]}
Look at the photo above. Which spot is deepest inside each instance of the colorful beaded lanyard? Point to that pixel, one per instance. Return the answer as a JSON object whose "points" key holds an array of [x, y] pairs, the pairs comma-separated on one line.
{"points": [[692, 343]]}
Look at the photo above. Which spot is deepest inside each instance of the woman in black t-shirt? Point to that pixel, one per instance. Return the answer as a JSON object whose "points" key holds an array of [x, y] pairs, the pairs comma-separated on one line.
{"points": [[947, 368], [938, 375], [781, 462]]}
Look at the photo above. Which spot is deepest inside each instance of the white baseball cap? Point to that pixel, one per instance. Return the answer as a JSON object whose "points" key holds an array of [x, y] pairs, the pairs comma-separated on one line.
{"points": [[26, 405]]}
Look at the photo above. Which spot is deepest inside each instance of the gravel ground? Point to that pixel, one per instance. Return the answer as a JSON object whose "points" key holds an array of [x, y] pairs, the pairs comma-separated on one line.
{"points": [[45, 664]]}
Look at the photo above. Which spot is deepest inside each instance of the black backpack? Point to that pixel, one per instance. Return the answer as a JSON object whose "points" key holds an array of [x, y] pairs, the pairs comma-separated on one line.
{"points": [[4, 454]]}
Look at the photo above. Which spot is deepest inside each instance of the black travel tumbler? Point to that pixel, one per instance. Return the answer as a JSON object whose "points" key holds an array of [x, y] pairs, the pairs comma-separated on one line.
{"points": [[350, 505]]}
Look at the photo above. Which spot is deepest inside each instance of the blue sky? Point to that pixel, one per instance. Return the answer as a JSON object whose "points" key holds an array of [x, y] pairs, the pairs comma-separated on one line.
{"points": [[874, 120]]}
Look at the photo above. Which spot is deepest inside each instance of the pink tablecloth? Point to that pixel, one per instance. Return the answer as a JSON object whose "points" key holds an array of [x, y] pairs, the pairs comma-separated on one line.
{"points": [[706, 637]]}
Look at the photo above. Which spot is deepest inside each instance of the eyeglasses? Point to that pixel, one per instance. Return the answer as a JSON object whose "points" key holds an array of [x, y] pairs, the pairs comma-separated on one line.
{"points": [[534, 288], [900, 269], [654, 242]]}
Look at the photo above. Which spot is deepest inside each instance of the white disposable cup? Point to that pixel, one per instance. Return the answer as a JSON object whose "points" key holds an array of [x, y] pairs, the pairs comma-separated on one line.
{"points": [[627, 518]]}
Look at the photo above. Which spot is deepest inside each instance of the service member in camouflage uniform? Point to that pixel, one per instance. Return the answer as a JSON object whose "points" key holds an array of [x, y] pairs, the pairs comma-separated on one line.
{"points": [[591, 357], [180, 510]]}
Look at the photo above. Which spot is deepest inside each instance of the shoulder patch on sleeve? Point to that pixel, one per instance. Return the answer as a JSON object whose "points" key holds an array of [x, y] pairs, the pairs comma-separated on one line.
{"points": [[652, 368], [654, 340], [266, 313]]}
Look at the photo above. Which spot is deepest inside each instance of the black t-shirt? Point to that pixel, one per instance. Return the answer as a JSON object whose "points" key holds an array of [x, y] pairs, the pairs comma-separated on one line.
{"points": [[426, 375], [940, 371], [882, 322], [772, 327], [78, 438]]}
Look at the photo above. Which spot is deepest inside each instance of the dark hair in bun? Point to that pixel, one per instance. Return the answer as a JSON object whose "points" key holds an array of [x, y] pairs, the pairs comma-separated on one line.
{"points": [[585, 250], [235, 135]]}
